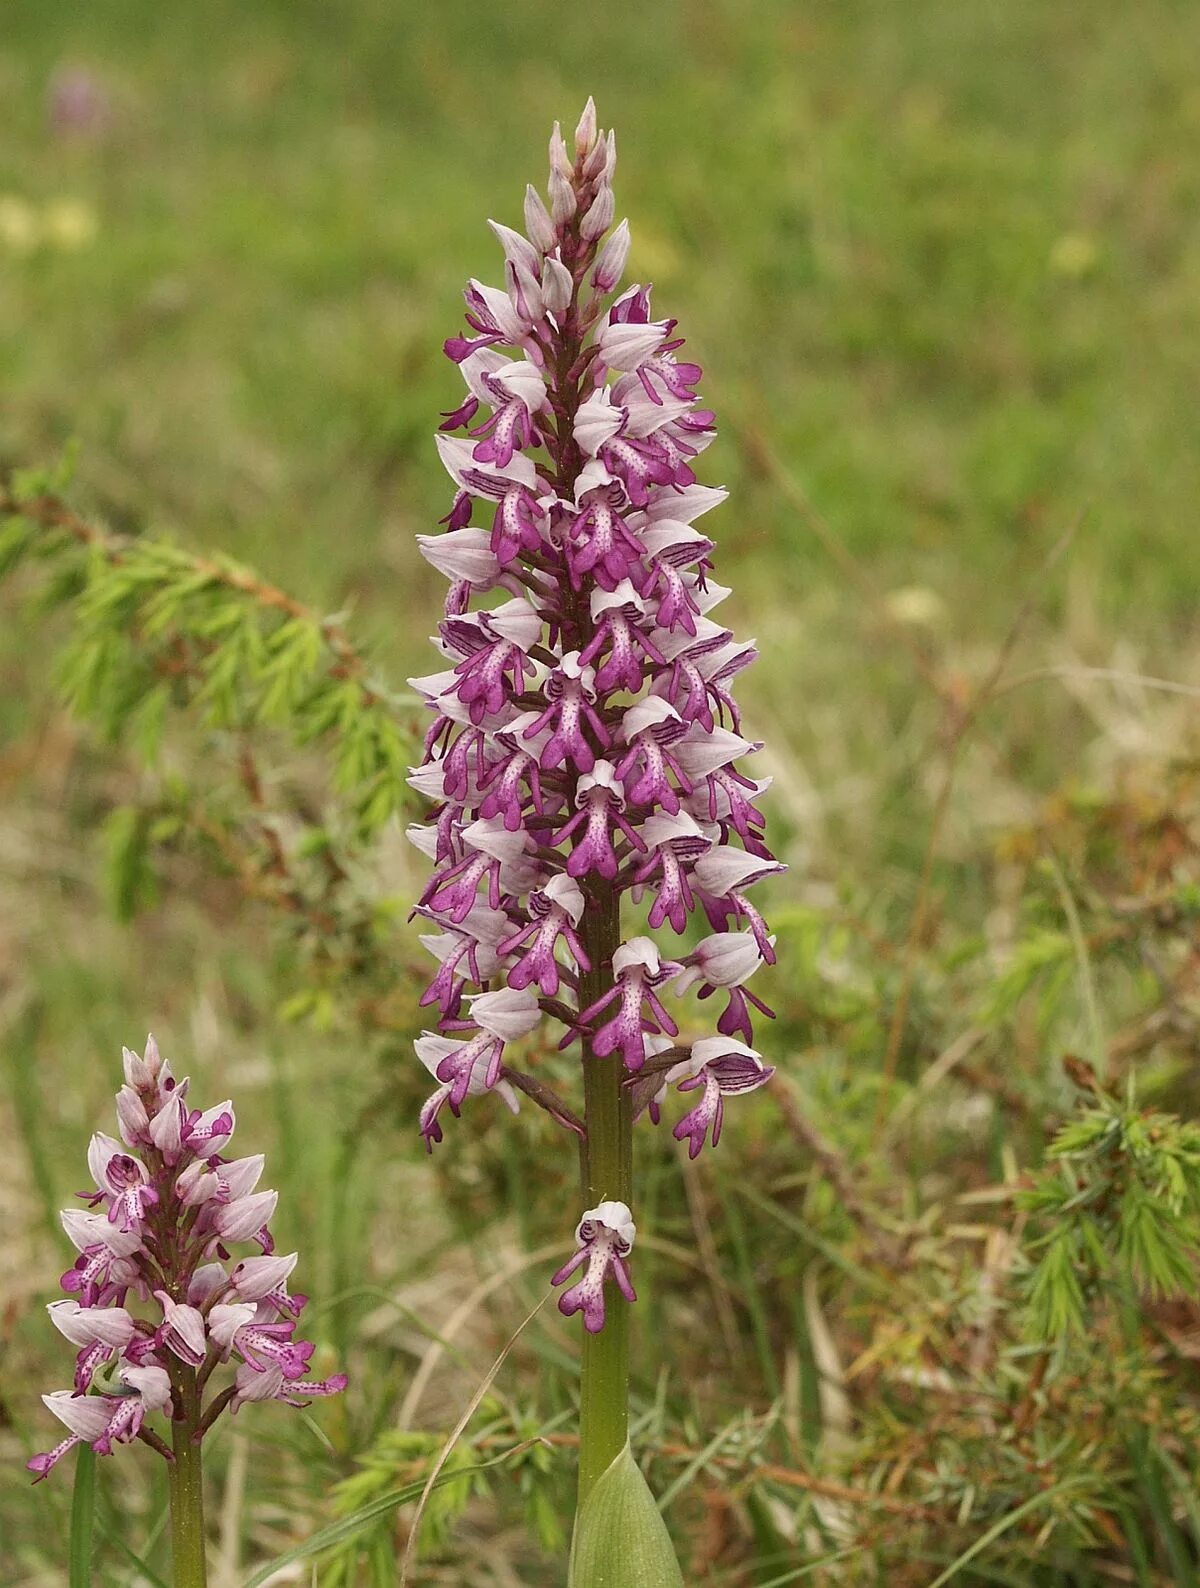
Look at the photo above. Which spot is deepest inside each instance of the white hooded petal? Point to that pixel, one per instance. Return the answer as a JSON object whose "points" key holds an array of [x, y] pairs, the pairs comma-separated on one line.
{"points": [[499, 305], [84, 1326], [685, 505], [255, 1277], [431, 1049], [703, 751], [516, 620], [151, 1383], [205, 1282], [524, 380], [93, 1229], [242, 1219], [597, 421], [101, 1150], [226, 1319], [724, 959], [614, 1217], [675, 542], [661, 829], [87, 1416], [507, 1014], [462, 554], [424, 838], [726, 870], [255, 1386], [243, 1174], [710, 596], [641, 951], [567, 894], [490, 837], [456, 453], [651, 712], [625, 346], [603, 775]]}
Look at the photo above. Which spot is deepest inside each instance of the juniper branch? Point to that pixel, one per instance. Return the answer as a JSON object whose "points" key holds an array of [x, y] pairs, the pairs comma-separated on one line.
{"points": [[156, 624]]}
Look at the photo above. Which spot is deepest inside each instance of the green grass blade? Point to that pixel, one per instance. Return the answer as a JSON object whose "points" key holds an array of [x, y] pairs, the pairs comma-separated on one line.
{"points": [[1002, 1526], [348, 1526], [147, 1577], [83, 1509]]}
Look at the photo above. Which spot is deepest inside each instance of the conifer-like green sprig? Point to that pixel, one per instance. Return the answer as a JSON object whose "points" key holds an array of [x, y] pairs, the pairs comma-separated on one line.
{"points": [[1117, 1207], [156, 626]]}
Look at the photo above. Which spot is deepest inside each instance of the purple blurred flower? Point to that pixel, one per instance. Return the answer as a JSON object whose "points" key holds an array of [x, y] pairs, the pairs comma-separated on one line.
{"points": [[79, 103]]}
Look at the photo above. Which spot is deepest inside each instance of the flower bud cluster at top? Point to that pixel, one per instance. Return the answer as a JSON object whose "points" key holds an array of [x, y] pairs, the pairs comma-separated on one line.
{"points": [[585, 741], [155, 1292]]}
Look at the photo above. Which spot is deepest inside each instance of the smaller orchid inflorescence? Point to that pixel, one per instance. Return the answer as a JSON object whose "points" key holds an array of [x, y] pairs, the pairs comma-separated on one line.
{"points": [[156, 1233], [585, 739]]}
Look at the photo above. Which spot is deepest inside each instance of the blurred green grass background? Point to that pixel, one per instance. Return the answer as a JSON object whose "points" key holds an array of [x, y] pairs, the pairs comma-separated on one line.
{"points": [[942, 260]]}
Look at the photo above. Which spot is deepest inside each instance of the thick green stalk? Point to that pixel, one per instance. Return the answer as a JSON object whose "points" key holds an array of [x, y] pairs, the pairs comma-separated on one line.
{"points": [[186, 1484], [607, 1175]]}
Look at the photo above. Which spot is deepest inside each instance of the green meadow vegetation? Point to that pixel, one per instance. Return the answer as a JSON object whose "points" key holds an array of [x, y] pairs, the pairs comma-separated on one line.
{"points": [[928, 1313]]}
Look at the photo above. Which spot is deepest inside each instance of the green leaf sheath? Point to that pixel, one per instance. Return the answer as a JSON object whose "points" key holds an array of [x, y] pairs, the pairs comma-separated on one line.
{"points": [[621, 1540]]}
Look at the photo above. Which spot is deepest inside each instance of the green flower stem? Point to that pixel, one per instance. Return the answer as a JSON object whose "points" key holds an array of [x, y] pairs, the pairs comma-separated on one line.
{"points": [[607, 1175], [186, 1484]]}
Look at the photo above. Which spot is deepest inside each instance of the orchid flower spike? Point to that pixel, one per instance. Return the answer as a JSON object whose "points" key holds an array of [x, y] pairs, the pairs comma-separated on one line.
{"points": [[155, 1292], [584, 748]]}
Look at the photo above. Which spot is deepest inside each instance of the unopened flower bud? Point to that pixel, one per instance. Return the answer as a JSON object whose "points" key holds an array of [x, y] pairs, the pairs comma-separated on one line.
{"points": [[585, 131], [599, 216], [562, 198], [538, 224], [560, 160], [610, 263], [557, 286]]}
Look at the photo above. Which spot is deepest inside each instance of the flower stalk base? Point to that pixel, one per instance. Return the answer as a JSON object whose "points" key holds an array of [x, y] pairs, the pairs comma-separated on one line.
{"points": [[607, 1175], [186, 1485]]}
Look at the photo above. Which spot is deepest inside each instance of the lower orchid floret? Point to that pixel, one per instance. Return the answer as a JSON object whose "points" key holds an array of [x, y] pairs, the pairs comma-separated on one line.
{"points": [[104, 1420], [271, 1384], [720, 1066], [604, 1238]]}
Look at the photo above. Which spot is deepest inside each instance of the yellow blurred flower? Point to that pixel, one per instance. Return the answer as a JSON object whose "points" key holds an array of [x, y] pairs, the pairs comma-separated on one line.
{"points": [[1074, 255], [20, 227], [70, 224], [67, 224], [917, 605]]}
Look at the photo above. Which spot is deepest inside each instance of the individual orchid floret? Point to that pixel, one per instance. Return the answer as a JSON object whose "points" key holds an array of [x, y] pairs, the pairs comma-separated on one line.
{"points": [[718, 1066], [469, 1065], [557, 909], [601, 803], [604, 1238], [585, 754], [638, 969], [726, 960], [147, 1303]]}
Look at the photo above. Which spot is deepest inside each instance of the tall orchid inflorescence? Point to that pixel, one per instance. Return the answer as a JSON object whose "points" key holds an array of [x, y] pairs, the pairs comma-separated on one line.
{"points": [[156, 1301], [579, 751], [585, 739]]}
